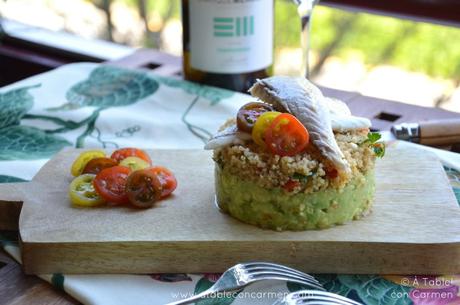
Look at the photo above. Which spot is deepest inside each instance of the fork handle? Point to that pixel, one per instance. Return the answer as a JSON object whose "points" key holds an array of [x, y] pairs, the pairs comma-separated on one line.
{"points": [[194, 298]]}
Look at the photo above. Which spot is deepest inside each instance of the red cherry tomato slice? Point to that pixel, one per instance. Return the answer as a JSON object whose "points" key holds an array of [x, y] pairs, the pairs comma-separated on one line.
{"points": [[332, 173], [110, 184], [286, 136], [167, 180], [291, 185], [95, 166], [143, 188], [248, 114], [123, 153]]}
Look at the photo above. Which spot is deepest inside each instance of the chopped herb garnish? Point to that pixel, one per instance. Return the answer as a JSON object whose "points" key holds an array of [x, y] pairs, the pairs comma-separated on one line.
{"points": [[372, 140], [373, 137], [300, 177], [379, 149], [304, 178]]}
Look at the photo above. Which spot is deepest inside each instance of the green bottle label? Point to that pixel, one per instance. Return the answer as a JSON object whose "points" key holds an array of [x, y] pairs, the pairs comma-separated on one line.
{"points": [[231, 37]]}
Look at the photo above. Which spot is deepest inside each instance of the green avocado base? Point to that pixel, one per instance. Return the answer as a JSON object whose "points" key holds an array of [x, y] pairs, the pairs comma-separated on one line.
{"points": [[278, 210]]}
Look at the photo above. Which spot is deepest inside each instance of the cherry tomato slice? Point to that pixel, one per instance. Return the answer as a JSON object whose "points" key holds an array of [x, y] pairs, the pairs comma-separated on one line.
{"points": [[167, 180], [81, 161], [286, 136], [143, 188], [110, 184], [331, 173], [124, 153], [82, 192], [291, 185], [96, 165], [261, 125], [248, 114], [135, 163]]}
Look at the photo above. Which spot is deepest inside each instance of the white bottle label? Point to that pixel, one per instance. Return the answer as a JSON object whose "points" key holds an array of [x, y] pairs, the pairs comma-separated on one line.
{"points": [[228, 36]]}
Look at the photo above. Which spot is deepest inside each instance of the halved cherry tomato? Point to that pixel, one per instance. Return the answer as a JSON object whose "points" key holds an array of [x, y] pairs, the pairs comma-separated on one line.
{"points": [[143, 188], [110, 184], [331, 173], [124, 153], [248, 114], [96, 165], [135, 163], [82, 192], [167, 180], [291, 185], [261, 125], [81, 161], [286, 136]]}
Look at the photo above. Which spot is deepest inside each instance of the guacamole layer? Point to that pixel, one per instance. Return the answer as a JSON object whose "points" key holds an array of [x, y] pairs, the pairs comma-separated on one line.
{"points": [[278, 210]]}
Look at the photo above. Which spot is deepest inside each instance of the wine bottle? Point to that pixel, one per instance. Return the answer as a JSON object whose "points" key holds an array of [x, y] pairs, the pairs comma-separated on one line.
{"points": [[227, 43]]}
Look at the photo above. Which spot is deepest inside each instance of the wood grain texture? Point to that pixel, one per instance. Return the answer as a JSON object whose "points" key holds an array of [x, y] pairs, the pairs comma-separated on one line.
{"points": [[413, 228], [440, 132], [437, 128], [17, 288], [372, 108], [11, 204]]}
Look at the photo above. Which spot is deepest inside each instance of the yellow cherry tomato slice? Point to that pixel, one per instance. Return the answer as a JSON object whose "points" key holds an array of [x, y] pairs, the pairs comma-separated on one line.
{"points": [[261, 125], [79, 164], [134, 163], [286, 136], [82, 192]]}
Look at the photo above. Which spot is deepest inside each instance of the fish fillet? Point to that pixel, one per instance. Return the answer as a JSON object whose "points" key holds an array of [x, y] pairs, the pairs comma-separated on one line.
{"points": [[305, 101], [230, 135]]}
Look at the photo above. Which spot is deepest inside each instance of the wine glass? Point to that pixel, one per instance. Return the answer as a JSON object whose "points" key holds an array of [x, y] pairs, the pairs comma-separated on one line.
{"points": [[305, 10]]}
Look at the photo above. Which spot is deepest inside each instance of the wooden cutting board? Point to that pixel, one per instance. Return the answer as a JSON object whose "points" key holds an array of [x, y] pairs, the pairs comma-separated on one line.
{"points": [[414, 227]]}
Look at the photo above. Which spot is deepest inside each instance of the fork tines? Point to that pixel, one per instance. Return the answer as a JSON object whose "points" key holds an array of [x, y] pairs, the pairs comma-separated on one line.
{"points": [[263, 270], [261, 265]]}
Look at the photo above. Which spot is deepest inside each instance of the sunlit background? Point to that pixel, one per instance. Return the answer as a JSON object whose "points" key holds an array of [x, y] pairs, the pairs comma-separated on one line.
{"points": [[413, 62]]}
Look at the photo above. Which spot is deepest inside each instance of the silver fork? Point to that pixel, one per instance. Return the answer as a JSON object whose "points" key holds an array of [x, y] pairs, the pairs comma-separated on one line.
{"points": [[315, 297], [241, 275]]}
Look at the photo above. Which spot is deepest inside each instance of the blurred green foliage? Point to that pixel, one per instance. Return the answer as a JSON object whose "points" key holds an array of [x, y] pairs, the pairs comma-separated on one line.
{"points": [[415, 46], [160, 6]]}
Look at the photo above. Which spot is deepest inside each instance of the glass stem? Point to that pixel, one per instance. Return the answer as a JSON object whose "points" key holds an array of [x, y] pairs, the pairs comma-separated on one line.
{"points": [[305, 10]]}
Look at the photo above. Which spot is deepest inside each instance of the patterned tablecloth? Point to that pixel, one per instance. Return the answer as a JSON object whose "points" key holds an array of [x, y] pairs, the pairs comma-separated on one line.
{"points": [[91, 105]]}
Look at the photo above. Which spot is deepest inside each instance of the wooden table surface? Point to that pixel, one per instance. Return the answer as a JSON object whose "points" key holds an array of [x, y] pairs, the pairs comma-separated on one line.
{"points": [[18, 288]]}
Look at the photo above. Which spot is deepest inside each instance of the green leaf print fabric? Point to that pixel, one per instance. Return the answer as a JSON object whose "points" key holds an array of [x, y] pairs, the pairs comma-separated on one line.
{"points": [[213, 94], [14, 104], [372, 289], [10, 179], [23, 142], [100, 106], [109, 86], [205, 283]]}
